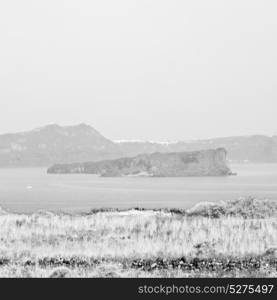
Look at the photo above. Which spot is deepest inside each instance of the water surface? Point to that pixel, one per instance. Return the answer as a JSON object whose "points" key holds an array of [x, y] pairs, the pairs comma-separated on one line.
{"points": [[28, 190]]}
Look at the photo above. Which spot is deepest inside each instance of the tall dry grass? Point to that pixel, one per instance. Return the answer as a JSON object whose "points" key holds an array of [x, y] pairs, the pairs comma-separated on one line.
{"points": [[119, 236]]}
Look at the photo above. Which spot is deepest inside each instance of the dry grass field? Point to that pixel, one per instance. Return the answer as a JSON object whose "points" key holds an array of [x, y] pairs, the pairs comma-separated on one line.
{"points": [[233, 239]]}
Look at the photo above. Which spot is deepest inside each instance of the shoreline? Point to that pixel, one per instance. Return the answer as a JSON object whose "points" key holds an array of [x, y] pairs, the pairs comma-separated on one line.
{"points": [[231, 239]]}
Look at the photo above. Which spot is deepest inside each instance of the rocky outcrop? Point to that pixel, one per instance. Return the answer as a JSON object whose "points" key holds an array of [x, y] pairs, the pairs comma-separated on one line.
{"points": [[179, 164]]}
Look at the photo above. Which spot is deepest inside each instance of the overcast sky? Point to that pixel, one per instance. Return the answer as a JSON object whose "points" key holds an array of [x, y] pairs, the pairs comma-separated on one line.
{"points": [[153, 69]]}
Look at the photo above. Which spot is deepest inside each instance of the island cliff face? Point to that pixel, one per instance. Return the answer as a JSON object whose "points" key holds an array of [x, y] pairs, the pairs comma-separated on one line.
{"points": [[179, 164]]}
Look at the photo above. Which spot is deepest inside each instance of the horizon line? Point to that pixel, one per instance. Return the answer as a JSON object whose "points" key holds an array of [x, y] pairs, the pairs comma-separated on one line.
{"points": [[135, 140]]}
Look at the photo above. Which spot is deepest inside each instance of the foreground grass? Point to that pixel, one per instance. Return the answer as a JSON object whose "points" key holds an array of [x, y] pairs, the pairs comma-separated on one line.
{"points": [[207, 240]]}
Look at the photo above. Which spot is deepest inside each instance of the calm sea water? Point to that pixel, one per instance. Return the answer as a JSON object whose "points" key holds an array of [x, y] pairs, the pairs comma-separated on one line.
{"points": [[28, 190]]}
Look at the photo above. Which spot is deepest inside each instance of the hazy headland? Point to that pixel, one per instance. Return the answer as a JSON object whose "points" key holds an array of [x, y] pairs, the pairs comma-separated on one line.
{"points": [[54, 144]]}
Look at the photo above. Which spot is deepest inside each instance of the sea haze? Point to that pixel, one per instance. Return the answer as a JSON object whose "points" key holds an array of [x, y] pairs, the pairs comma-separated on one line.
{"points": [[31, 189]]}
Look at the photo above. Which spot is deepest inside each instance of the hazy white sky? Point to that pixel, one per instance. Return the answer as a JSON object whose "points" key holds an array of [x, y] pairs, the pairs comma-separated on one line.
{"points": [[143, 69]]}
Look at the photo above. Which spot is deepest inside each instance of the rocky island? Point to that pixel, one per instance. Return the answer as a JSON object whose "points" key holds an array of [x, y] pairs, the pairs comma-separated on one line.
{"points": [[177, 164]]}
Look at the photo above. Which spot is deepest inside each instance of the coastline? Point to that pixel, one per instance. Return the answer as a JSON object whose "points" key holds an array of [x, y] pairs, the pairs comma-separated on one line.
{"points": [[236, 239]]}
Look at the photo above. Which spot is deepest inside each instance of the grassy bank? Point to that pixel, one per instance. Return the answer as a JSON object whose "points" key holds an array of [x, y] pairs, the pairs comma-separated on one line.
{"points": [[236, 238]]}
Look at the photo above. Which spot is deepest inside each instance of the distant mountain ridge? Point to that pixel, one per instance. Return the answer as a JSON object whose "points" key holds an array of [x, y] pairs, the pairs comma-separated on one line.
{"points": [[255, 148], [179, 164], [54, 144]]}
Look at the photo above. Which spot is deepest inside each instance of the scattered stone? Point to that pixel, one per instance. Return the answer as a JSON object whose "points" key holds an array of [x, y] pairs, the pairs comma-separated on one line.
{"points": [[61, 273], [154, 266]]}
